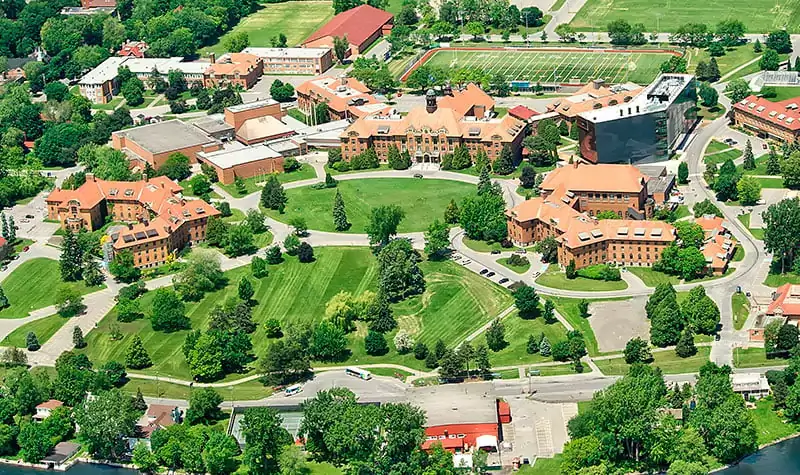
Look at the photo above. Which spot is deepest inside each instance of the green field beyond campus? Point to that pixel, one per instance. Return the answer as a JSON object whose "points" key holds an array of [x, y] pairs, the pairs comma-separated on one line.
{"points": [[759, 16], [455, 303], [296, 20], [421, 200], [556, 66]]}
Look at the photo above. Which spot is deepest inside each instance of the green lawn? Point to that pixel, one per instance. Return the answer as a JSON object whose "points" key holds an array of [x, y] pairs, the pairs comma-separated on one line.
{"points": [[296, 20], [568, 308], [553, 370], [421, 200], [390, 372], [716, 146], [760, 16], [710, 113], [784, 93], [236, 216], [754, 358], [455, 303], [652, 278], [323, 469], [721, 157], [159, 389], [44, 328], [254, 184], [32, 286], [21, 243], [668, 361], [733, 57], [741, 309], [757, 233], [556, 279], [516, 334], [769, 425], [482, 246], [738, 254], [682, 211], [109, 106], [518, 269], [188, 191], [334, 172], [776, 182], [549, 66], [760, 169], [776, 280], [543, 466]]}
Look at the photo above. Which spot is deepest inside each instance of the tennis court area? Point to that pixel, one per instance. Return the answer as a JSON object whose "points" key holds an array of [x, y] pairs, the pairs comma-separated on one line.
{"points": [[552, 66]]}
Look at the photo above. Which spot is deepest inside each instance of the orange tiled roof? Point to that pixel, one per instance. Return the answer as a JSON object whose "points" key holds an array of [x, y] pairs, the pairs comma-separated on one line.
{"points": [[598, 177], [712, 225], [461, 101], [787, 301], [233, 63], [337, 92], [783, 114]]}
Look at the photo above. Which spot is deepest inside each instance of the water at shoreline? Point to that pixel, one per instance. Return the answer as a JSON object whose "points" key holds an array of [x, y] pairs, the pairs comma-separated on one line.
{"points": [[77, 469], [782, 458]]}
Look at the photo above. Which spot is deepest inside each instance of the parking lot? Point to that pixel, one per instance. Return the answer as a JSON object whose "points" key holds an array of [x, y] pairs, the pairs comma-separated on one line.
{"points": [[494, 274]]}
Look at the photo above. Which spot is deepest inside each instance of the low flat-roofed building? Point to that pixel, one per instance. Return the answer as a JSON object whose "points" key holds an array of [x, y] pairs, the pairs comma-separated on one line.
{"points": [[246, 162], [594, 95], [323, 135], [154, 143], [262, 129], [238, 114], [293, 60], [750, 385], [215, 126]]}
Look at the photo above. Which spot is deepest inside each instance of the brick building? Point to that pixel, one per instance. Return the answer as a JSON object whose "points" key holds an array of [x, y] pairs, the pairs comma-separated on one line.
{"points": [[462, 118], [154, 143], [237, 69], [719, 245], [361, 26], [244, 162], [159, 220], [586, 240], [135, 49], [346, 97], [293, 60], [592, 189], [774, 120]]}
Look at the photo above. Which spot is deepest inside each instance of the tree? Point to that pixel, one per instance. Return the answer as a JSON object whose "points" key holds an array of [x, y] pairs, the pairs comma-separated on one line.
{"points": [[566, 33], [749, 190], [273, 195], [476, 29], [203, 272], [689, 233], [773, 163], [781, 228], [683, 173], [305, 253], [34, 442], [273, 255], [749, 162], [398, 270], [787, 338], [730, 32], [339, 213], [544, 347], [570, 271], [637, 351], [340, 48], [286, 360], [219, 453], [281, 92], [328, 342], [137, 357], [403, 342], [675, 64], [725, 184], [665, 323], [144, 459], [106, 423], [737, 90], [527, 302], [451, 213], [217, 232], [92, 275], [504, 164], [495, 336], [383, 224], [709, 95], [168, 314], [123, 268], [583, 308], [291, 244], [482, 217], [77, 337], [237, 41], [71, 258], [69, 302], [700, 311], [769, 61], [133, 92], [31, 342], [779, 41], [685, 347], [375, 344], [204, 407], [437, 239], [790, 169], [527, 177], [176, 167]]}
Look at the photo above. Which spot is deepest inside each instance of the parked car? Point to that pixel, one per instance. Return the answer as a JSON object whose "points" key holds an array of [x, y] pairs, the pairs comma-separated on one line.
{"points": [[520, 251], [25, 249], [29, 216], [495, 251], [490, 274], [483, 271], [503, 280], [417, 175]]}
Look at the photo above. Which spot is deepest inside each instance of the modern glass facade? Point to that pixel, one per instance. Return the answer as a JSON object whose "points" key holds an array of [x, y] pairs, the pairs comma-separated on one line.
{"points": [[645, 131]]}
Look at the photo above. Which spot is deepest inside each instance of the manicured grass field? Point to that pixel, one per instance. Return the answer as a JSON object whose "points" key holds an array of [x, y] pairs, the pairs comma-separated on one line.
{"points": [[255, 184], [296, 20], [760, 169], [776, 182], [556, 66], [754, 358], [668, 361], [334, 172], [757, 233], [483, 246], [769, 425], [518, 269], [721, 157], [760, 16], [733, 57], [553, 370], [421, 200], [776, 280], [652, 278], [556, 279], [188, 191], [390, 372], [249, 390], [455, 303], [784, 93], [236, 216], [517, 333], [741, 309], [716, 146], [543, 466], [32, 286], [738, 254], [44, 328], [682, 211]]}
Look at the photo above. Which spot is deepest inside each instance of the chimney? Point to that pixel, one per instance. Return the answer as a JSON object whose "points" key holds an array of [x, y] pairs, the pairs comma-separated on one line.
{"points": [[430, 101], [130, 227], [90, 177], [144, 176], [213, 57], [343, 79], [575, 164]]}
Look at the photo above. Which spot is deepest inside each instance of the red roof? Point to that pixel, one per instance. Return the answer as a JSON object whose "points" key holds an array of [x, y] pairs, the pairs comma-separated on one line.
{"points": [[456, 435], [784, 114], [358, 24], [52, 403], [133, 48], [786, 302], [522, 112]]}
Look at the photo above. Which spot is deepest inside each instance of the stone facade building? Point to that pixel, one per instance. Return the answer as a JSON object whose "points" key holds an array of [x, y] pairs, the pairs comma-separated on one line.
{"points": [[774, 120]]}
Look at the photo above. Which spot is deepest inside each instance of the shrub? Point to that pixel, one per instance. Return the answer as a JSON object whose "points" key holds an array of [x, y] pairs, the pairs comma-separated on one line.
{"points": [[517, 260], [600, 272]]}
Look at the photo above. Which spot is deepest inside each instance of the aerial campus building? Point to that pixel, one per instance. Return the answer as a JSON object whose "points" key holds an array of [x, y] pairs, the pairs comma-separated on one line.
{"points": [[647, 128], [159, 220]]}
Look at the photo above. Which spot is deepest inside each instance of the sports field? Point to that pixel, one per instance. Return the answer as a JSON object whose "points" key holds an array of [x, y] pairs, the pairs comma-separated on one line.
{"points": [[760, 16], [556, 66]]}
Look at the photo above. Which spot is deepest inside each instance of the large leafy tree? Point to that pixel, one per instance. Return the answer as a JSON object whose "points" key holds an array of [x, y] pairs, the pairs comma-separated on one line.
{"points": [[437, 239], [383, 223], [168, 312], [781, 228], [204, 406], [399, 272], [105, 424], [264, 440]]}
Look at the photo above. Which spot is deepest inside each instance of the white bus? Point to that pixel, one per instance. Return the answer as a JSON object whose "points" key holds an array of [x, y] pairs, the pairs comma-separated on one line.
{"points": [[358, 373], [292, 390]]}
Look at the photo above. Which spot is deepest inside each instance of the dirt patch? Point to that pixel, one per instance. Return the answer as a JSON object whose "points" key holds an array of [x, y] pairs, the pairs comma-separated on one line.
{"points": [[614, 322]]}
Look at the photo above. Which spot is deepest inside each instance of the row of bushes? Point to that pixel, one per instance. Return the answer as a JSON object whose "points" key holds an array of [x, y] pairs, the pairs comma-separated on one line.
{"points": [[605, 272]]}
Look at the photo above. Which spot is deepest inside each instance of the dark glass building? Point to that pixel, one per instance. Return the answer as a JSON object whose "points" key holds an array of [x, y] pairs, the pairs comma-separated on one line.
{"points": [[645, 129]]}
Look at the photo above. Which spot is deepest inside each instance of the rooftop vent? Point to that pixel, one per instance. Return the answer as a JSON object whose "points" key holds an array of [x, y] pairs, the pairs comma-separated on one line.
{"points": [[199, 210], [622, 232], [129, 192], [596, 233], [584, 236], [113, 192], [152, 233], [639, 232], [656, 232], [128, 238]]}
